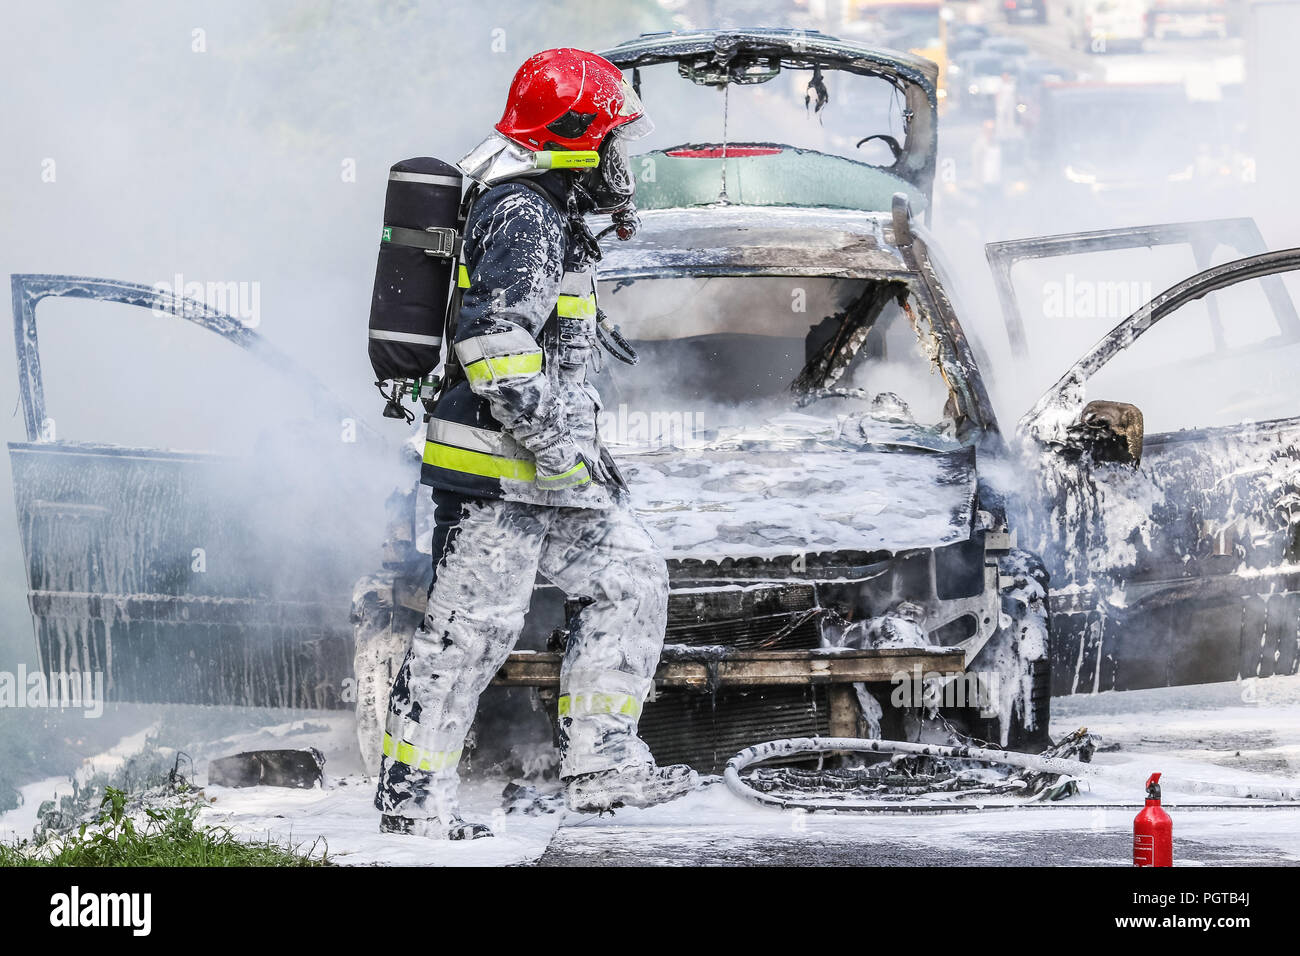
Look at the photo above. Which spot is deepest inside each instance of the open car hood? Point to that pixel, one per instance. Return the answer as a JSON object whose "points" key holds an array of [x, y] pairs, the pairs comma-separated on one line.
{"points": [[781, 498], [724, 55]]}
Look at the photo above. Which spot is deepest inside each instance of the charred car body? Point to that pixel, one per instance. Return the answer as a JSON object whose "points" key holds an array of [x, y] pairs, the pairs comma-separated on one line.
{"points": [[808, 434], [801, 433]]}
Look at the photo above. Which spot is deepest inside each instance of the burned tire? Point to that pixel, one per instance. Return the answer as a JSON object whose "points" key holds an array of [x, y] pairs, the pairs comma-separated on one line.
{"points": [[1028, 732], [380, 643]]}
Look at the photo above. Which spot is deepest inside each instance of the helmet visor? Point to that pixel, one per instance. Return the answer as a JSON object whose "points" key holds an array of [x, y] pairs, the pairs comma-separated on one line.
{"points": [[640, 124]]}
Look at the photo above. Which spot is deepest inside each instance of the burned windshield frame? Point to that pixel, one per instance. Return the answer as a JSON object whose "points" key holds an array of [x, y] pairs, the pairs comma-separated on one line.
{"points": [[833, 343]]}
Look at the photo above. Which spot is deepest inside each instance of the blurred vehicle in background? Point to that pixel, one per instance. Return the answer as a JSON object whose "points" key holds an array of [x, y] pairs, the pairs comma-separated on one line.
{"points": [[1188, 18], [912, 26], [1130, 142], [1106, 26], [966, 37], [1031, 75], [977, 78], [1005, 46], [1022, 11]]}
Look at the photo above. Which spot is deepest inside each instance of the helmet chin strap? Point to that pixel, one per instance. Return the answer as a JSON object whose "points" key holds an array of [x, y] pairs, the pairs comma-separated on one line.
{"points": [[625, 222], [578, 203]]}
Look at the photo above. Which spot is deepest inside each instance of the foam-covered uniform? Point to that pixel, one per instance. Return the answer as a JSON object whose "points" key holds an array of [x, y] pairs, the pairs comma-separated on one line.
{"points": [[513, 457]]}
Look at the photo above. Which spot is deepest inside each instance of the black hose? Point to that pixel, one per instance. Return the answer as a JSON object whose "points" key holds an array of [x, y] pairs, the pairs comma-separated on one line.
{"points": [[1055, 765]]}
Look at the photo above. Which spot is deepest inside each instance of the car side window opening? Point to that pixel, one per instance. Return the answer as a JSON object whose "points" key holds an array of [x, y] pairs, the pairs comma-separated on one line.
{"points": [[200, 392], [1182, 375], [1070, 302]]}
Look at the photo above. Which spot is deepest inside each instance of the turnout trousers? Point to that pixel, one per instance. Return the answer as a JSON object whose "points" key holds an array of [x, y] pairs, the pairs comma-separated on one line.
{"points": [[487, 554]]}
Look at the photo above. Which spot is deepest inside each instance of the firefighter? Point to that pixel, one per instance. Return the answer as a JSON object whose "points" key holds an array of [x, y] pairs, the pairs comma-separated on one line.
{"points": [[521, 483]]}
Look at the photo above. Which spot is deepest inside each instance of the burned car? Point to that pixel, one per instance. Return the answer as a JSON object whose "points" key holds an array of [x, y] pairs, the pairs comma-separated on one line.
{"points": [[179, 546], [855, 545], [811, 439], [811, 475]]}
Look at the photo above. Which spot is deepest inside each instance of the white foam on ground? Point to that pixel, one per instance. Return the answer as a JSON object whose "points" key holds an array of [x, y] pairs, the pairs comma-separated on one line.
{"points": [[1243, 733]]}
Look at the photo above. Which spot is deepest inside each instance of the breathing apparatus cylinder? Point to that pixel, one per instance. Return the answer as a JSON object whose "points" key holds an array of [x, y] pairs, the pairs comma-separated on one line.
{"points": [[415, 274]]}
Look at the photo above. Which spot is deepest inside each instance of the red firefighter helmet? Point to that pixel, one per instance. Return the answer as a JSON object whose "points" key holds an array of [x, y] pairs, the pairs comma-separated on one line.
{"points": [[569, 99]]}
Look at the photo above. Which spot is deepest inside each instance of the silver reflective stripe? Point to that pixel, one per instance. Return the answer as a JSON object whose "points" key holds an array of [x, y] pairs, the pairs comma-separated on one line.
{"points": [[404, 177], [421, 735], [577, 283], [411, 337], [475, 439], [593, 681], [510, 342]]}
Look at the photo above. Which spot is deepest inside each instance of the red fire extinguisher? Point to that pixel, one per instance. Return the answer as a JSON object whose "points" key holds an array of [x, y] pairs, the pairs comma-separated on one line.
{"points": [[1153, 831]]}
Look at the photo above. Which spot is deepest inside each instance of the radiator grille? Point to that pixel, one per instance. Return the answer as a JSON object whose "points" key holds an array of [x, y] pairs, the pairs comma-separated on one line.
{"points": [[706, 730], [779, 617]]}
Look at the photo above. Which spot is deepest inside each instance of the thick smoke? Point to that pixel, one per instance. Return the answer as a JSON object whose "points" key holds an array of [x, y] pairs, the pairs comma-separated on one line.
{"points": [[240, 152]]}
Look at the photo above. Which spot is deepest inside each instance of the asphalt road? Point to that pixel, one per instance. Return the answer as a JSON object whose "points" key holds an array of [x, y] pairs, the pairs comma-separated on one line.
{"points": [[1225, 732], [739, 846]]}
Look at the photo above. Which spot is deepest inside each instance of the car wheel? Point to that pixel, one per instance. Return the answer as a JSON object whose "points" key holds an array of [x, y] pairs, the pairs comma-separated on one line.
{"points": [[1029, 729], [380, 644]]}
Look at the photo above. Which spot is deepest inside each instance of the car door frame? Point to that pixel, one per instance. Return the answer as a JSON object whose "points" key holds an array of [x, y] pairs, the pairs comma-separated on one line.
{"points": [[1278, 583], [166, 609], [1202, 235]]}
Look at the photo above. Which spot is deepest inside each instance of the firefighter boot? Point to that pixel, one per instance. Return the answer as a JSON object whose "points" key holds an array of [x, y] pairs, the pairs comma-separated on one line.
{"points": [[435, 828], [640, 785]]}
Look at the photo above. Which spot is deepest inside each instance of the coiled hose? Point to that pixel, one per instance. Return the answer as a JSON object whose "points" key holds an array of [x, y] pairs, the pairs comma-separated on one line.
{"points": [[1055, 765]]}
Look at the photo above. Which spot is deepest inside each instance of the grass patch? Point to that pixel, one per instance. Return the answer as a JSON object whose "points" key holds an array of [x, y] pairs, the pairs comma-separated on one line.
{"points": [[168, 836]]}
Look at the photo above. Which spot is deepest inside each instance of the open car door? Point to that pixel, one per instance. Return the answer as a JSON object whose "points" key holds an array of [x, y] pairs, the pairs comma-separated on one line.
{"points": [[177, 572], [1164, 473]]}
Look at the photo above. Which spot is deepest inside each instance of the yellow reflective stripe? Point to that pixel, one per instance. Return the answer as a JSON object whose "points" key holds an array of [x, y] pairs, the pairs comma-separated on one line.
{"points": [[599, 703], [462, 277], [474, 439], [486, 369], [576, 306], [566, 159], [413, 756], [577, 475], [478, 463]]}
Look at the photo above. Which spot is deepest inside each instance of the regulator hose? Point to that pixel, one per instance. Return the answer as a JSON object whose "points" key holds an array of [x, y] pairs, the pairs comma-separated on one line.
{"points": [[1056, 765]]}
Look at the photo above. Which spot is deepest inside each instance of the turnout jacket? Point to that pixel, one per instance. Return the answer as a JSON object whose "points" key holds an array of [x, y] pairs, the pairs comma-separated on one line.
{"points": [[519, 420]]}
